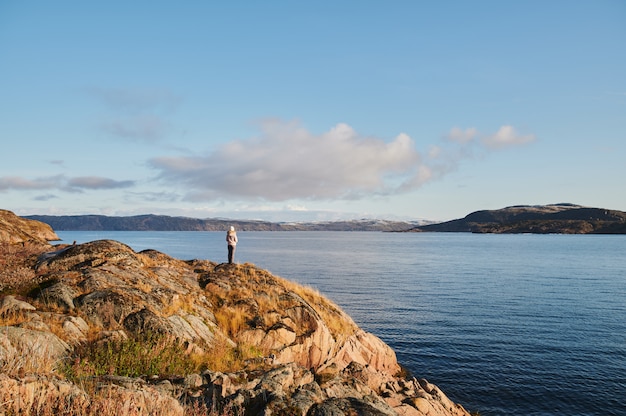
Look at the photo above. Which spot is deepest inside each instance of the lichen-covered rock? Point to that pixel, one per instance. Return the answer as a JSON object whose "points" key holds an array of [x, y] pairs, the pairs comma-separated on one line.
{"points": [[59, 294], [92, 254]]}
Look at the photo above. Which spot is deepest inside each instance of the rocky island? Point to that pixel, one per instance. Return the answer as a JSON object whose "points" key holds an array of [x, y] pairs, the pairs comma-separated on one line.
{"points": [[536, 219], [99, 329]]}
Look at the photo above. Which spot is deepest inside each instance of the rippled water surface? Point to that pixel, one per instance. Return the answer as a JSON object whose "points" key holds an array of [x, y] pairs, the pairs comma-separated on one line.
{"points": [[504, 324]]}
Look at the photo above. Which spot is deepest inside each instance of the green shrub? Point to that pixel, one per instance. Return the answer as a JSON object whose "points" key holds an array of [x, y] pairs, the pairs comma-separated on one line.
{"points": [[139, 355]]}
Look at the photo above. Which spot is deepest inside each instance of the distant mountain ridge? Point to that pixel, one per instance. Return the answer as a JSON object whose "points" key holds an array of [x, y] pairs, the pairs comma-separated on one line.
{"points": [[166, 223], [561, 218]]}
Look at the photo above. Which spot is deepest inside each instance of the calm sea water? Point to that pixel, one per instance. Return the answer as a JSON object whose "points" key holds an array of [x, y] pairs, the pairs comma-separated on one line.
{"points": [[504, 324]]}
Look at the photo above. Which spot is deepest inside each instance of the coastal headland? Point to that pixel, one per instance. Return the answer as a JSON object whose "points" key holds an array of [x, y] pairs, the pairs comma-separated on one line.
{"points": [[536, 219], [97, 328]]}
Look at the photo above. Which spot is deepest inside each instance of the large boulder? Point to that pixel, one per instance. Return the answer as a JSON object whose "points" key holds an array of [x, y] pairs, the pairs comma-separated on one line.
{"points": [[114, 288]]}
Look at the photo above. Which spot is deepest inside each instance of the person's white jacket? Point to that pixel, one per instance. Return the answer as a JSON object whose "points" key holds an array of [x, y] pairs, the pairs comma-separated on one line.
{"points": [[231, 238]]}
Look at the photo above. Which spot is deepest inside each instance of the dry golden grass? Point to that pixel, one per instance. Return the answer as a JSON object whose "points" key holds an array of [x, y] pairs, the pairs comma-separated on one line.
{"points": [[12, 317], [232, 319], [223, 357], [149, 259], [19, 360], [341, 326], [179, 303], [55, 325], [102, 402], [247, 296], [144, 287]]}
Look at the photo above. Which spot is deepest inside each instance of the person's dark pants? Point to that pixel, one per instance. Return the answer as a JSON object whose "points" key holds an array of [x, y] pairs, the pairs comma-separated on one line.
{"points": [[231, 254]]}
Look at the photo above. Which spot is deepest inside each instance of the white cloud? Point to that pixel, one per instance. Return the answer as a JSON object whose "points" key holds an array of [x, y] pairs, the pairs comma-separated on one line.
{"points": [[507, 136], [97, 182], [288, 162], [504, 137], [19, 183], [60, 182], [46, 197]]}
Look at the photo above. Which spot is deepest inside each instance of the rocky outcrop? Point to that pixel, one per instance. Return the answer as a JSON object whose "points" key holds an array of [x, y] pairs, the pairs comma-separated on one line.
{"points": [[309, 357], [290, 389], [14, 229], [293, 323]]}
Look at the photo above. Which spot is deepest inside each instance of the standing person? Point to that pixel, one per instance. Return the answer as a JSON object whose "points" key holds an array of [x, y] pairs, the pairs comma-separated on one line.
{"points": [[231, 240]]}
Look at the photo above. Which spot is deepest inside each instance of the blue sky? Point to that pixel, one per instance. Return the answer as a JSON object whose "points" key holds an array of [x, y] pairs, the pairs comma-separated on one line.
{"points": [[283, 110]]}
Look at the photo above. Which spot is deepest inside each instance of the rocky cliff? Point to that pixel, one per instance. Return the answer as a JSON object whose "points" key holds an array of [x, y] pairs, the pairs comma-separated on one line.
{"points": [[14, 229], [97, 328]]}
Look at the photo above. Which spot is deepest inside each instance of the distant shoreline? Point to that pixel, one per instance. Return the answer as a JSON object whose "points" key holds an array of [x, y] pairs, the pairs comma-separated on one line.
{"points": [[167, 223], [561, 218]]}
